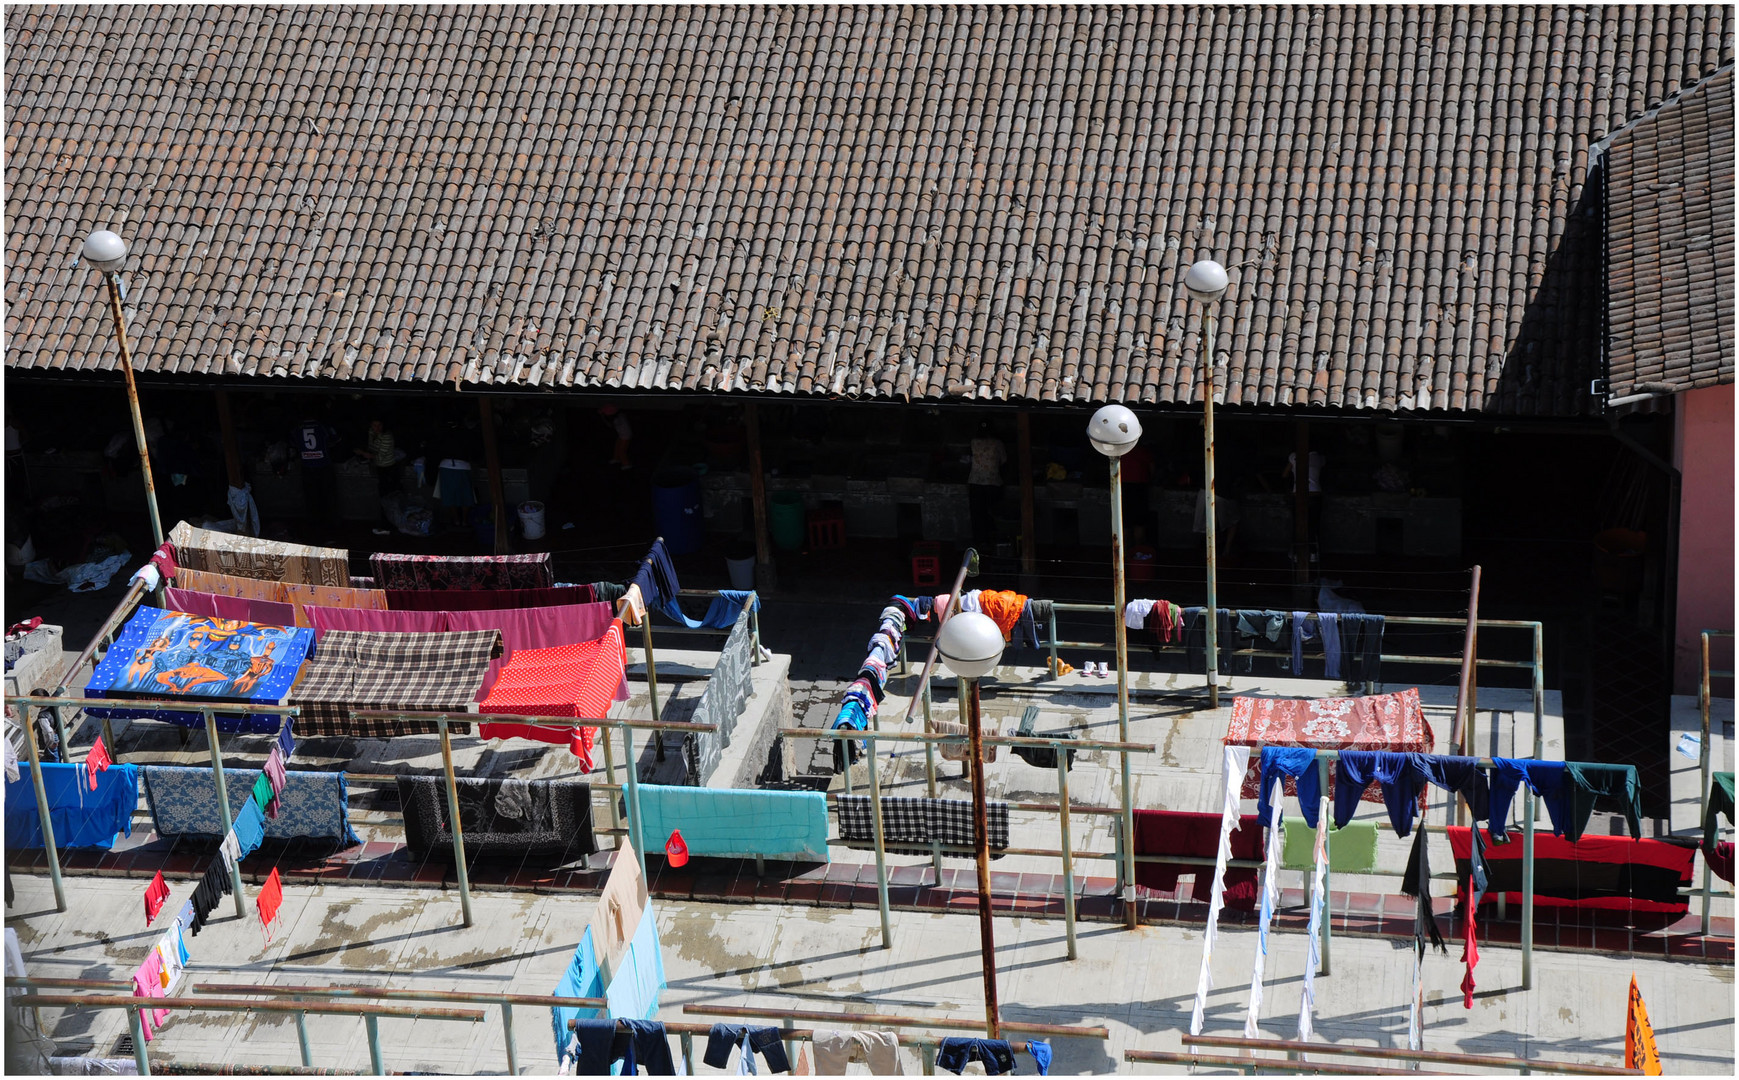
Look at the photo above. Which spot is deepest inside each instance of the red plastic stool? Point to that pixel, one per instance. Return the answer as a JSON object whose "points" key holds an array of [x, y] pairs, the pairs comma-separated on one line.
{"points": [[927, 563], [826, 528]]}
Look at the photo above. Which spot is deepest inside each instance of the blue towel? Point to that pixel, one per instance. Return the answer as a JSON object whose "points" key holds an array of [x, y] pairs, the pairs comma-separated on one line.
{"points": [[1300, 762], [183, 802], [81, 817], [581, 979], [737, 822], [638, 980], [250, 827], [1041, 1052]]}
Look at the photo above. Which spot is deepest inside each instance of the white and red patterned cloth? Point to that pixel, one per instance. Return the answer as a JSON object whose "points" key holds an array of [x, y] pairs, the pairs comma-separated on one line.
{"points": [[566, 680], [1385, 722]]}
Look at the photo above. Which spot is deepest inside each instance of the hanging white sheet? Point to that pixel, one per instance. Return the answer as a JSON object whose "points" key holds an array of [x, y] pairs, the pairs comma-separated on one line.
{"points": [[1233, 765]]}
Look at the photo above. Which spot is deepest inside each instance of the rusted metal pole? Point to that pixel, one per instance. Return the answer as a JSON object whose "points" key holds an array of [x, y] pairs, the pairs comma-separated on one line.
{"points": [[1120, 598], [1213, 612], [766, 573], [1461, 732], [966, 569], [42, 811], [981, 839], [133, 403], [1704, 770], [453, 820], [492, 458]]}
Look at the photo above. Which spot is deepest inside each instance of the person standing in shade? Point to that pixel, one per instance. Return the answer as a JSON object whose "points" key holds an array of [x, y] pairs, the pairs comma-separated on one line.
{"points": [[618, 422], [383, 455], [1314, 493], [315, 441], [984, 482]]}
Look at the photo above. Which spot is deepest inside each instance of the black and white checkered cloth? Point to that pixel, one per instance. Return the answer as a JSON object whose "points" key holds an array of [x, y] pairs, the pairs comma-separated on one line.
{"points": [[359, 670], [907, 820]]}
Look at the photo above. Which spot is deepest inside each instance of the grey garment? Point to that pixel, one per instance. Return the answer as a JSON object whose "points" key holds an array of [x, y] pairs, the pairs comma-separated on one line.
{"points": [[1254, 623], [1301, 633], [1040, 610], [1328, 623]]}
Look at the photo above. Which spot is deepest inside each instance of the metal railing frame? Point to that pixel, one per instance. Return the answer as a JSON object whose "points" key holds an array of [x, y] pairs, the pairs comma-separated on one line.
{"points": [[1293, 1049], [1705, 755]]}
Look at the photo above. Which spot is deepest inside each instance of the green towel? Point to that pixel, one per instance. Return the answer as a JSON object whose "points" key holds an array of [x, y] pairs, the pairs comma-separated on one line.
{"points": [[262, 792], [1720, 802], [1352, 850]]}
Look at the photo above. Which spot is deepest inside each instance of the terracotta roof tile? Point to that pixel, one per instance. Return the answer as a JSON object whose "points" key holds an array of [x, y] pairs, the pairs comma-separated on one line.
{"points": [[991, 202]]}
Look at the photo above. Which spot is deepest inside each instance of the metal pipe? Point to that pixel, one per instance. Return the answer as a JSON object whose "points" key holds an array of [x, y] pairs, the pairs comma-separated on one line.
{"points": [[989, 740], [1253, 1067], [453, 820], [1527, 894], [555, 1001], [688, 1054], [966, 562], [235, 869], [136, 1021], [880, 1020], [218, 708], [635, 838], [133, 403], [1703, 767], [42, 812], [875, 796], [1056, 670], [1430, 1056], [929, 775], [302, 1040], [374, 1056], [1068, 857], [328, 1008], [1213, 611], [1461, 730], [981, 838], [610, 774], [507, 1034], [1120, 632]]}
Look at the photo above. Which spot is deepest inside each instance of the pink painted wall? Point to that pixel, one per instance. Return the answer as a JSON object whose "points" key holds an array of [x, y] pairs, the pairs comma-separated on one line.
{"points": [[1703, 454]]}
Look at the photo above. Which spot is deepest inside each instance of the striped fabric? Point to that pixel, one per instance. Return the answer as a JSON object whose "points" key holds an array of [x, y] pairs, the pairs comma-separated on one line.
{"points": [[356, 670]]}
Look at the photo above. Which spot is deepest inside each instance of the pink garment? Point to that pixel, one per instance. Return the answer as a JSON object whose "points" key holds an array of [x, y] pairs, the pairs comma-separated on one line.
{"points": [[148, 982], [537, 628], [215, 606], [384, 622]]}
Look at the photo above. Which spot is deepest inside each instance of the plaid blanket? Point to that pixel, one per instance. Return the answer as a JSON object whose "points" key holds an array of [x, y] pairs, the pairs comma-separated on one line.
{"points": [[357, 670], [914, 820], [408, 572]]}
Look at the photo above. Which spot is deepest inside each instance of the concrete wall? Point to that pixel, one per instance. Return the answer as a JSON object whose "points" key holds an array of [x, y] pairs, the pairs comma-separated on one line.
{"points": [[1703, 453]]}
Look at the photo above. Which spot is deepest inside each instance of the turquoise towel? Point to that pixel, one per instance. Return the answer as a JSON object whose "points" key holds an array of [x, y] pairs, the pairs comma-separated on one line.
{"points": [[736, 822]]}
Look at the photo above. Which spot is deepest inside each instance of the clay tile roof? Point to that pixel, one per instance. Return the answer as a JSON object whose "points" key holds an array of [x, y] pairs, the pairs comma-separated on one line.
{"points": [[972, 202], [1669, 244]]}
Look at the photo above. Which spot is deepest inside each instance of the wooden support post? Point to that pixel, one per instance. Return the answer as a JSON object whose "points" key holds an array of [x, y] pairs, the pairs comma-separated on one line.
{"points": [[232, 458], [1029, 554], [1301, 506], [766, 573], [492, 457]]}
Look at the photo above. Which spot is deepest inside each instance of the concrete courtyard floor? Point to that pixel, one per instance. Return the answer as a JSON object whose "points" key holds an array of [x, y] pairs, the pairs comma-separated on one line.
{"points": [[1138, 984]]}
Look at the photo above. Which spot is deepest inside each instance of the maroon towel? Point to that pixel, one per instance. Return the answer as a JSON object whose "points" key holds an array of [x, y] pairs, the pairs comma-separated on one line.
{"points": [[1171, 832], [486, 599], [1721, 862]]}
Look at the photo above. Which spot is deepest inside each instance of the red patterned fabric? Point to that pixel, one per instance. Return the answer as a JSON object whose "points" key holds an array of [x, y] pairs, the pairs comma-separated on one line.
{"points": [[568, 680], [1391, 722]]}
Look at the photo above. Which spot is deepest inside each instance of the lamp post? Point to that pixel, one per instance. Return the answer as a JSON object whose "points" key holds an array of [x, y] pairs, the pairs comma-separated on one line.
{"points": [[971, 645], [1206, 282], [105, 251], [1114, 431]]}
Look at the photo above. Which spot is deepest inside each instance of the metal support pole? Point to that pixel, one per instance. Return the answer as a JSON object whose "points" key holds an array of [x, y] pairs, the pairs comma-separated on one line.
{"points": [[875, 797], [42, 814], [1068, 849], [755, 629], [1705, 756], [1213, 612], [302, 1039], [929, 1055], [687, 1054], [1055, 668], [136, 1021], [981, 840], [223, 804], [453, 820], [507, 1033], [372, 1024], [930, 782], [1527, 894], [1131, 910], [651, 687], [1461, 731], [60, 733], [607, 733], [634, 836], [133, 403], [1327, 871]]}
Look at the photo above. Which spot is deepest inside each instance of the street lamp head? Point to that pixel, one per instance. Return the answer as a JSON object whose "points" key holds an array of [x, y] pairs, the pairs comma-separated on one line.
{"points": [[971, 644], [105, 251], [1206, 281], [1113, 431]]}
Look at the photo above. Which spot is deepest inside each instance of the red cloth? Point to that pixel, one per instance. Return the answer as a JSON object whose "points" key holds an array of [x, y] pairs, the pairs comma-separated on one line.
{"points": [[1391, 722], [1172, 832], [1721, 862], [24, 627], [264, 612], [97, 760], [538, 628], [570, 680], [155, 894], [271, 896], [1613, 873], [1469, 941], [486, 599], [164, 560]]}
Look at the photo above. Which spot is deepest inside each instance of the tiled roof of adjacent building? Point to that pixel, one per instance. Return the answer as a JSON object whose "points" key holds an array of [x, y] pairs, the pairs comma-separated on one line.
{"points": [[1669, 244], [993, 203]]}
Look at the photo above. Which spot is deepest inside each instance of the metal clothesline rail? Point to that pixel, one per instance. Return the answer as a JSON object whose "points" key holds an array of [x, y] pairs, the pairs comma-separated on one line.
{"points": [[1255, 1066], [370, 1014], [1430, 1057]]}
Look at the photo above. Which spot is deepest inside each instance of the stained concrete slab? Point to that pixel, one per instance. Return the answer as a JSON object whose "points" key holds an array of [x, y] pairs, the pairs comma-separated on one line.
{"points": [[1139, 984]]}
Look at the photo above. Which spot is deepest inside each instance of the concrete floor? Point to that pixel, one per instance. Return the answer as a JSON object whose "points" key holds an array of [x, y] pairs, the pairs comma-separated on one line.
{"points": [[1139, 984]]}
